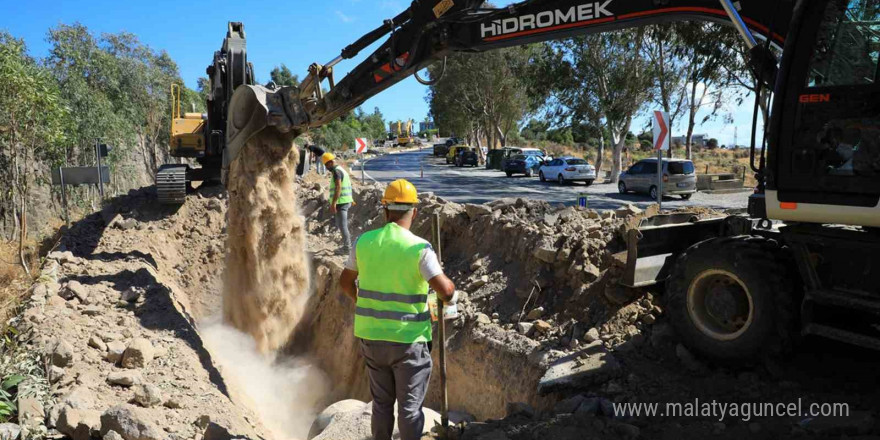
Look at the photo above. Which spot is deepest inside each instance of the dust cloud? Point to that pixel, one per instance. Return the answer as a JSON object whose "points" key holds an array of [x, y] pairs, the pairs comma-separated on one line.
{"points": [[285, 394], [267, 274]]}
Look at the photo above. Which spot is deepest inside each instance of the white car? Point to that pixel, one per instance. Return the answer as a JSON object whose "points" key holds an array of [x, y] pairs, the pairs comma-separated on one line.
{"points": [[567, 169]]}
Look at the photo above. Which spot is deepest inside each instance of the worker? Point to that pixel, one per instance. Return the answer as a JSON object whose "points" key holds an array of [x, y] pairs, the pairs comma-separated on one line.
{"points": [[394, 269], [341, 197], [316, 154]]}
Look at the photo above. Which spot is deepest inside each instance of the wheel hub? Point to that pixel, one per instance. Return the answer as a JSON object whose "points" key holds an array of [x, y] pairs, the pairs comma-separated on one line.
{"points": [[720, 305]]}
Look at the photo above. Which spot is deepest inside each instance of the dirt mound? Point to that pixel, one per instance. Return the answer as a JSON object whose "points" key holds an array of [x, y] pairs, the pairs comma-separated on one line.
{"points": [[266, 280]]}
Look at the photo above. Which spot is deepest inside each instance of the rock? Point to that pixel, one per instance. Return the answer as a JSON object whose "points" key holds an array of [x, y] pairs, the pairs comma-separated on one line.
{"points": [[129, 423], [473, 211], [589, 406], [483, 319], [591, 271], [627, 210], [79, 398], [9, 431], [550, 219], [476, 265], [172, 403], [545, 253], [535, 313], [96, 342], [131, 294], [79, 424], [569, 405], [582, 370], [55, 374], [30, 411], [607, 215], [687, 359], [115, 350], [524, 328], [618, 295], [56, 301], [127, 224], [591, 335], [60, 353], [138, 354], [214, 205], [112, 435], [62, 257], [520, 409], [542, 326], [124, 378], [649, 319], [479, 282], [147, 395], [74, 289], [92, 310]]}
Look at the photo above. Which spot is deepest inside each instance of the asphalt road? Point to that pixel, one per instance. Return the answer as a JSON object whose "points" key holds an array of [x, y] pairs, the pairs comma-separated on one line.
{"points": [[479, 185]]}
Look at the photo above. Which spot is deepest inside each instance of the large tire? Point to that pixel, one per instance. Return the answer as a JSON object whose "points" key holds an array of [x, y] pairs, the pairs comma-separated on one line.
{"points": [[541, 176], [653, 192], [509, 174], [588, 182], [621, 187], [745, 275]]}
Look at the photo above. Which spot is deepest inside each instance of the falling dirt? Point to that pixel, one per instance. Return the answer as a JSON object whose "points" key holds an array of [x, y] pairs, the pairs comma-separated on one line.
{"points": [[267, 274]]}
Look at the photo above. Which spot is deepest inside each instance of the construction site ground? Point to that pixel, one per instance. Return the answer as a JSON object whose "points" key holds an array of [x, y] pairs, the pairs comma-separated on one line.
{"points": [[125, 314]]}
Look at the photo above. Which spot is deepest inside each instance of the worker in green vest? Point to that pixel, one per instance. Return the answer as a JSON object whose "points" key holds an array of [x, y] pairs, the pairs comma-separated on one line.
{"points": [[394, 269], [340, 198]]}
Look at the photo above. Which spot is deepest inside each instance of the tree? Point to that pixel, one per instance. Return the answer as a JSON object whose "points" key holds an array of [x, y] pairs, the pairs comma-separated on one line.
{"points": [[710, 50], [282, 76], [481, 95], [602, 79], [664, 50], [32, 126]]}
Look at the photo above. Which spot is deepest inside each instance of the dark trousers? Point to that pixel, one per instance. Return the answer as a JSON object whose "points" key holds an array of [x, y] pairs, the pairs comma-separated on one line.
{"points": [[397, 372]]}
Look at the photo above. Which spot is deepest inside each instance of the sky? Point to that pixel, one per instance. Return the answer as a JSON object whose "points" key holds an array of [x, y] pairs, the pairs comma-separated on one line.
{"points": [[295, 33]]}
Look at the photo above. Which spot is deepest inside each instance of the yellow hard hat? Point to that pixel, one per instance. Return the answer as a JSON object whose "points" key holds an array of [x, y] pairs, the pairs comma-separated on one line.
{"points": [[400, 195], [327, 157]]}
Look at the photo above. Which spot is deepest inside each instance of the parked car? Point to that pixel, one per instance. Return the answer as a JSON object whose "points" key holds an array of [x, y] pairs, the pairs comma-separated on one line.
{"points": [[568, 169], [453, 150], [527, 164], [679, 178], [442, 149], [509, 154], [466, 156]]}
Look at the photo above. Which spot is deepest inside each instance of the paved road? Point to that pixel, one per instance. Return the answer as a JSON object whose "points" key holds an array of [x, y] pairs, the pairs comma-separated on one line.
{"points": [[479, 185]]}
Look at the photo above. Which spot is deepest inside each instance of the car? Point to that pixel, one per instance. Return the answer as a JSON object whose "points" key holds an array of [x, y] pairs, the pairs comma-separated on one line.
{"points": [[453, 150], [466, 156], [442, 149], [568, 169], [527, 164], [510, 152], [679, 178]]}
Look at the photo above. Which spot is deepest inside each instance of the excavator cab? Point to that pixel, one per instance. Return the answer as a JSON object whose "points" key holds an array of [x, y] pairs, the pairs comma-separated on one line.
{"points": [[823, 164], [187, 132]]}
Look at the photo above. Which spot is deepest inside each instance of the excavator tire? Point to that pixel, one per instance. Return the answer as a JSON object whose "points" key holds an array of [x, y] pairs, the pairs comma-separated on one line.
{"points": [[171, 184], [730, 299]]}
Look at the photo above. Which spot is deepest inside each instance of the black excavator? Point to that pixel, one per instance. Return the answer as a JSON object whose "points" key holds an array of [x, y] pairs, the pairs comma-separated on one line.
{"points": [[806, 257]]}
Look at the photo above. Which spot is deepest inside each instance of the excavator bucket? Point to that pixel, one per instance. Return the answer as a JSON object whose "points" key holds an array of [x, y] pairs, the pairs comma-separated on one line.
{"points": [[654, 245], [253, 109]]}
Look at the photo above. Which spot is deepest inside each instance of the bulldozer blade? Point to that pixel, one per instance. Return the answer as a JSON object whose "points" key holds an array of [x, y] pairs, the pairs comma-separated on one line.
{"points": [[253, 109]]}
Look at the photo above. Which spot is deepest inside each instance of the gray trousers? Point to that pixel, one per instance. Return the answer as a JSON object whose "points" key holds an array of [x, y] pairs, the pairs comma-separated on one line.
{"points": [[342, 224], [397, 372]]}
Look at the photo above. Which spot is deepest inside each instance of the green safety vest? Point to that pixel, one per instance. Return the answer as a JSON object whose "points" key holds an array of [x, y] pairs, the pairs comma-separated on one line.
{"points": [[345, 195], [392, 303]]}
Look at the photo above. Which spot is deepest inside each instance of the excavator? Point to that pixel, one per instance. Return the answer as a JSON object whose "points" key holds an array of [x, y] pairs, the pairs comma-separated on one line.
{"points": [[804, 259]]}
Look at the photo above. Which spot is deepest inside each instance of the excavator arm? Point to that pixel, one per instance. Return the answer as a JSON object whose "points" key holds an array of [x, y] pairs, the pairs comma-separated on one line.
{"points": [[430, 30]]}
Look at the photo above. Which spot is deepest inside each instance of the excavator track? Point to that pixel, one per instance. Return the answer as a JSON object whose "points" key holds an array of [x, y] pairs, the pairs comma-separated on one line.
{"points": [[171, 184]]}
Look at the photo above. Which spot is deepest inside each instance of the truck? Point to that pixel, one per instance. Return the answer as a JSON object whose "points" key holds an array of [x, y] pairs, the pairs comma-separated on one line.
{"points": [[803, 260], [401, 132]]}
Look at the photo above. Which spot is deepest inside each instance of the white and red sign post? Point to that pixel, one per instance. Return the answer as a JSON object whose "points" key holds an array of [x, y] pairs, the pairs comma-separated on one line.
{"points": [[660, 122], [360, 147]]}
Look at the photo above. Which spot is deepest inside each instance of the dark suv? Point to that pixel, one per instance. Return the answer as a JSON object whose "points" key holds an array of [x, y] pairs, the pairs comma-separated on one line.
{"points": [[466, 156]]}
